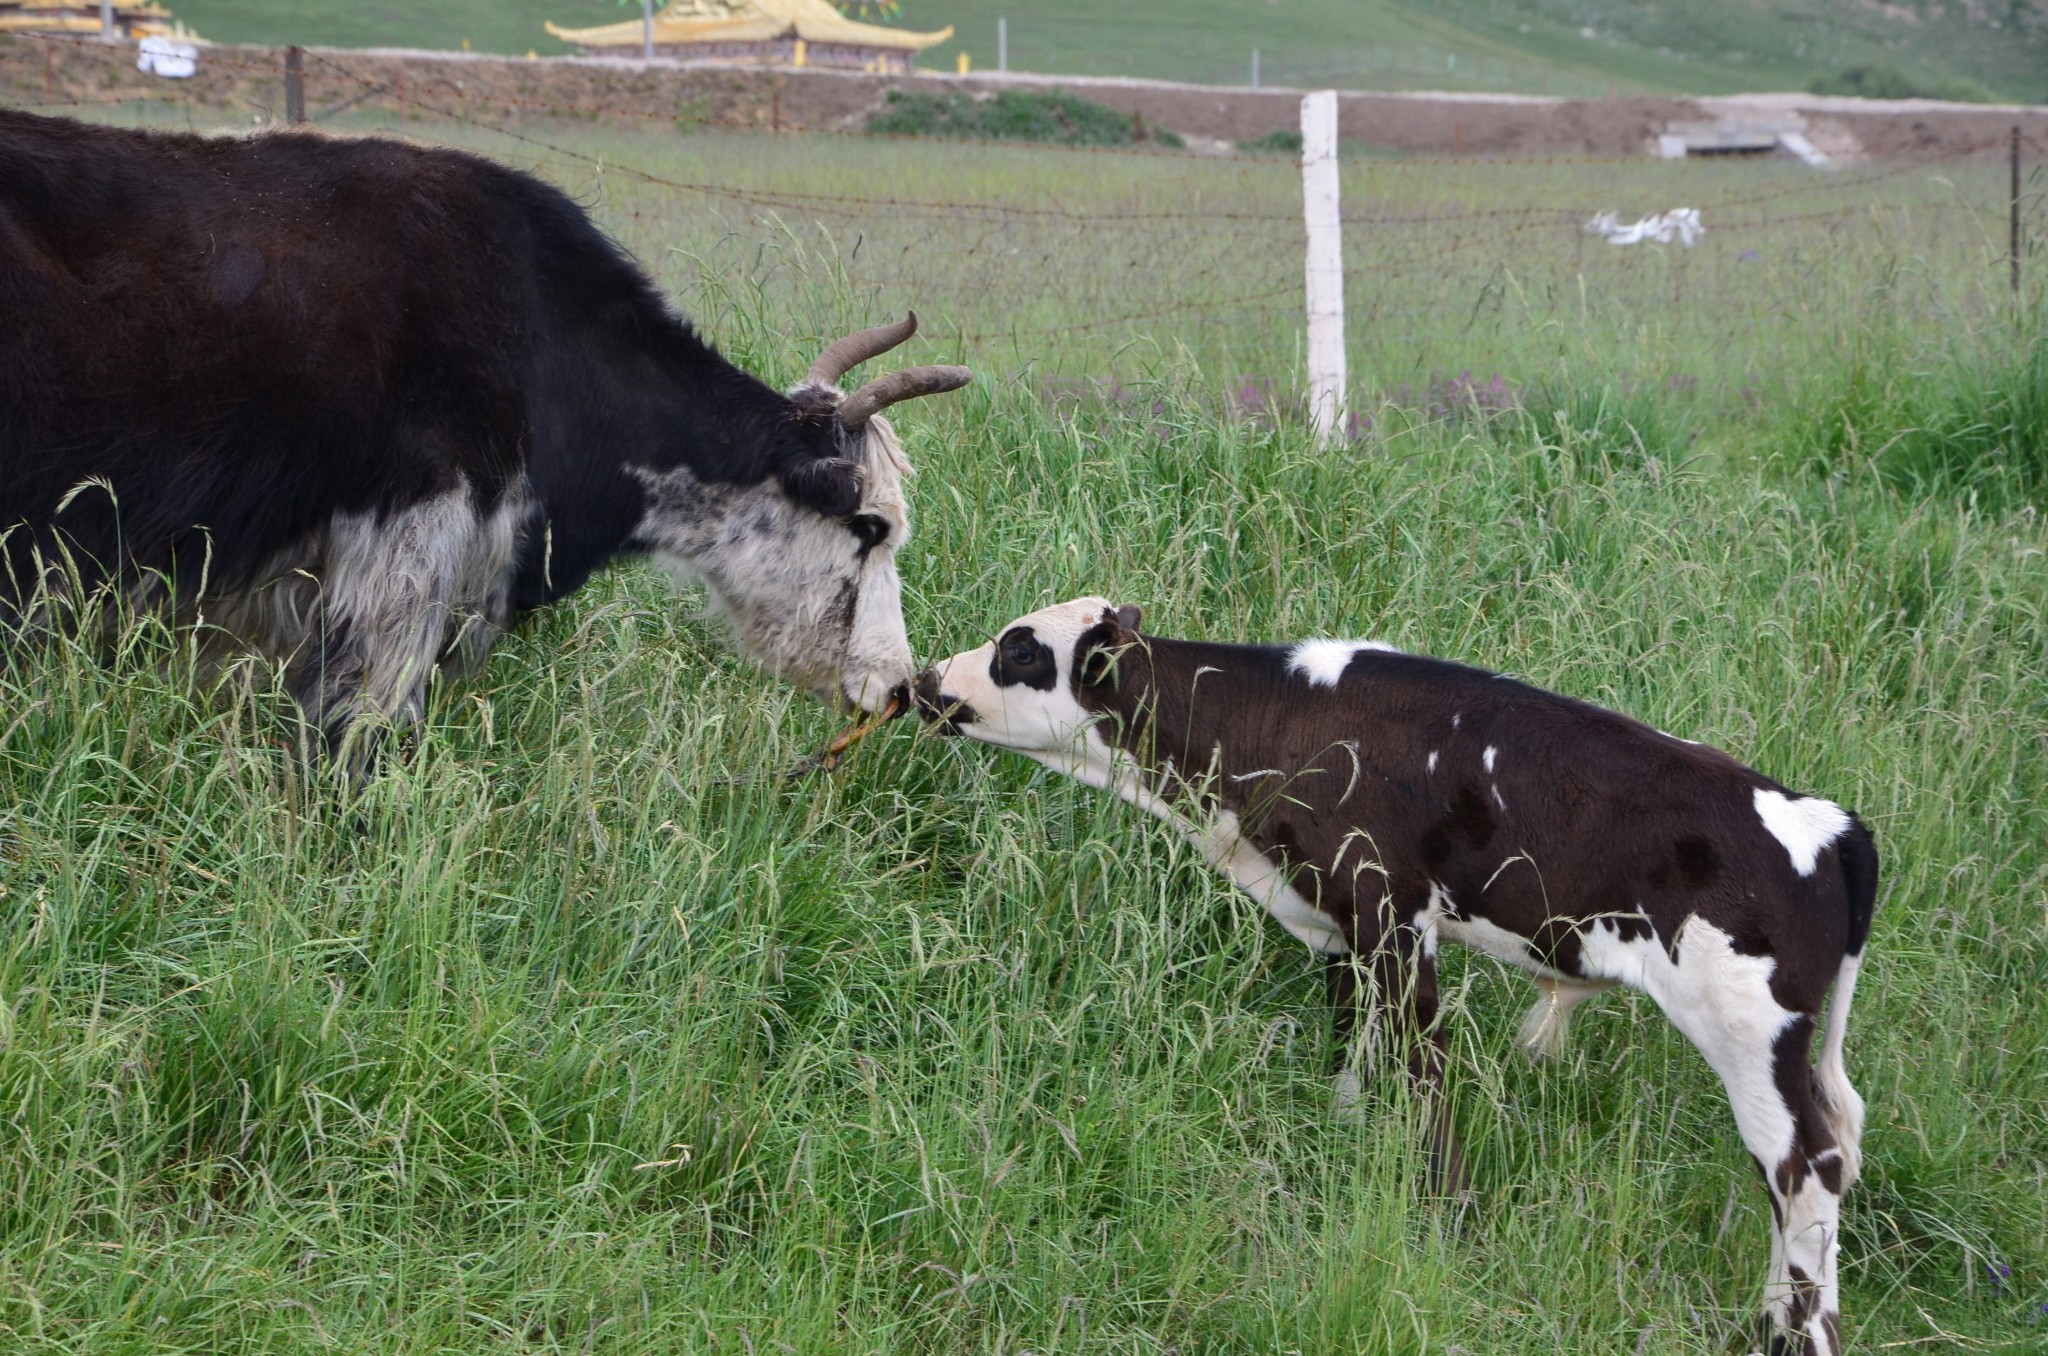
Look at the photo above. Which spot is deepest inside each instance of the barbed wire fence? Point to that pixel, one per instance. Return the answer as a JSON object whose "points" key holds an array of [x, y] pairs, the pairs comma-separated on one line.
{"points": [[1193, 257]]}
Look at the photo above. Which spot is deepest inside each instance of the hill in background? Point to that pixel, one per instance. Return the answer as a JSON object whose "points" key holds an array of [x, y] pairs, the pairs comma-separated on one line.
{"points": [[1989, 48]]}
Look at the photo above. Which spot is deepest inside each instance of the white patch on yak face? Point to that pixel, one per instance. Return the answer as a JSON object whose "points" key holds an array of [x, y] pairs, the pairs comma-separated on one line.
{"points": [[804, 594], [1323, 662], [1025, 700], [1805, 826]]}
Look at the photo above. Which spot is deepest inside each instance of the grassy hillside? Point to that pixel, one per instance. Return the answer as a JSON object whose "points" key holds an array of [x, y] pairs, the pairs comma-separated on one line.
{"points": [[489, 25], [1564, 46], [1532, 46]]}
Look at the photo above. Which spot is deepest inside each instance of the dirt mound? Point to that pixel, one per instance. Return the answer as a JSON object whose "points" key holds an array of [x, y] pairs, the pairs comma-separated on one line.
{"points": [[246, 84]]}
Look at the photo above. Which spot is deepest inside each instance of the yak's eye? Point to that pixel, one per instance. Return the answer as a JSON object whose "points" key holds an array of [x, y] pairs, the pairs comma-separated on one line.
{"points": [[871, 531]]}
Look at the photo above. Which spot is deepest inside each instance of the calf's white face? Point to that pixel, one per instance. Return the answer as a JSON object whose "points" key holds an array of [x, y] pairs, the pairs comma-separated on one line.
{"points": [[1017, 691]]}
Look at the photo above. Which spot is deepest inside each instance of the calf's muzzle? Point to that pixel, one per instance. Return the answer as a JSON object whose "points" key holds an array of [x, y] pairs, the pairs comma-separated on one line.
{"points": [[936, 708]]}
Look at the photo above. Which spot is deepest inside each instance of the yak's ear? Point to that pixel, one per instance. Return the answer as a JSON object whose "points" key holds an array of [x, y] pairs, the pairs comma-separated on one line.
{"points": [[827, 485], [1095, 654]]}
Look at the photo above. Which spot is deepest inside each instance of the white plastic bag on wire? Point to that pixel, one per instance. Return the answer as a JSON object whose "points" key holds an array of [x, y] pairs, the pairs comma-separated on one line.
{"points": [[167, 57], [1680, 223]]}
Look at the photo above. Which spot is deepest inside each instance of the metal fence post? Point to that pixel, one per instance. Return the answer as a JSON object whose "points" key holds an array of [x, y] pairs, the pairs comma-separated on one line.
{"points": [[294, 83], [647, 29], [1255, 68], [1002, 44], [1325, 262]]}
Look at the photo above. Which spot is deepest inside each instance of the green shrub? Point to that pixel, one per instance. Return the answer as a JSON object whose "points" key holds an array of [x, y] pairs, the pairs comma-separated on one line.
{"points": [[1053, 117], [1983, 430], [1969, 421], [1283, 142], [1889, 82]]}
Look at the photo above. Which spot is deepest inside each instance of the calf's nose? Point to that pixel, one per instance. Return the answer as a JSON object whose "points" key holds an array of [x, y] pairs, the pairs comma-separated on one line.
{"points": [[934, 706], [924, 690]]}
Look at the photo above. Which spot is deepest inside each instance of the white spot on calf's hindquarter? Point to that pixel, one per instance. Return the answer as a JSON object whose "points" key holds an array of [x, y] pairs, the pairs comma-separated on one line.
{"points": [[1805, 825], [1488, 757], [1323, 662], [1721, 1000], [1432, 761]]}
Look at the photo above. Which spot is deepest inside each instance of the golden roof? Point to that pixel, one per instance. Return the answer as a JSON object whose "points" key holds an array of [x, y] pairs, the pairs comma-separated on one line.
{"points": [[144, 18], [693, 21]]}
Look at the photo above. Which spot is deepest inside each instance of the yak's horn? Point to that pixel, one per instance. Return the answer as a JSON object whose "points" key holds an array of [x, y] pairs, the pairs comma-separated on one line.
{"points": [[843, 355], [882, 392]]}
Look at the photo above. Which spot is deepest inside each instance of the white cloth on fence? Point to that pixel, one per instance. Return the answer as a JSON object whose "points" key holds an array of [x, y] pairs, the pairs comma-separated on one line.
{"points": [[168, 58], [1680, 223]]}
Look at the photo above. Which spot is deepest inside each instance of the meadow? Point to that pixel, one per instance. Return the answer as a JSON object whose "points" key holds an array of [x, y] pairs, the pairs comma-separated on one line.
{"points": [[1563, 47], [579, 1031]]}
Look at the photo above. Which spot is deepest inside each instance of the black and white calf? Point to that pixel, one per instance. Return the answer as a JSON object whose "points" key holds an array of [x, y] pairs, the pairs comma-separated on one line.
{"points": [[357, 402], [1378, 803]]}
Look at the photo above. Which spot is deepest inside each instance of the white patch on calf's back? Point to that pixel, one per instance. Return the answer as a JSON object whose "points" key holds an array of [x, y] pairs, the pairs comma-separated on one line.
{"points": [[1488, 757], [1806, 825], [1432, 762], [1323, 662]]}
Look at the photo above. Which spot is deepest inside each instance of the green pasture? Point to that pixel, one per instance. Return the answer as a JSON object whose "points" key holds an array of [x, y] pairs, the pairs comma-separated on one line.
{"points": [[1565, 47], [1527, 46], [580, 1032]]}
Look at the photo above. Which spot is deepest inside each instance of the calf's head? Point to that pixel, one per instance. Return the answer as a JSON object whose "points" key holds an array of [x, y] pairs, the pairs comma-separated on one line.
{"points": [[1046, 683], [803, 565]]}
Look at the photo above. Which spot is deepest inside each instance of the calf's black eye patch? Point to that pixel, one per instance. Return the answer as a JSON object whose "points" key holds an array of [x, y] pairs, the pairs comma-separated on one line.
{"points": [[1023, 660]]}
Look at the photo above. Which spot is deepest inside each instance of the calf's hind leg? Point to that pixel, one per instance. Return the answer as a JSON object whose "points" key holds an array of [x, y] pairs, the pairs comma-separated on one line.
{"points": [[1722, 1002]]}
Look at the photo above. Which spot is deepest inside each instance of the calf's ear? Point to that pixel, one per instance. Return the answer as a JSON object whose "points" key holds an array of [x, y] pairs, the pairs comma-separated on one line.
{"points": [[1095, 655], [1128, 616], [827, 485]]}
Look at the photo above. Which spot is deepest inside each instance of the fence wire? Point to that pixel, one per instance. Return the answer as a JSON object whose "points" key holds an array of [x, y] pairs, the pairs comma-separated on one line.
{"points": [[1120, 258]]}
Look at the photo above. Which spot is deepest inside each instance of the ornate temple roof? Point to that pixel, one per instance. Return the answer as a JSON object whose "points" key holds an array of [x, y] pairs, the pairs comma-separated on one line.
{"points": [[722, 21], [133, 18]]}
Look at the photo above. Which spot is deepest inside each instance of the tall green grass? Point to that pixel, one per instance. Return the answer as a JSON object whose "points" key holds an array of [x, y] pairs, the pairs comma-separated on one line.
{"points": [[568, 1035]]}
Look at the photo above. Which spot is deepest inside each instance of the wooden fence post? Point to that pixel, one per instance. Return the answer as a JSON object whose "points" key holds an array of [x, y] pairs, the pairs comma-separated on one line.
{"points": [[294, 83], [1325, 273]]}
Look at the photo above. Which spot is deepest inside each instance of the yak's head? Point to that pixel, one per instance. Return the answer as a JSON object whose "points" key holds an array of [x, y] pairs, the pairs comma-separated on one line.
{"points": [[803, 564]]}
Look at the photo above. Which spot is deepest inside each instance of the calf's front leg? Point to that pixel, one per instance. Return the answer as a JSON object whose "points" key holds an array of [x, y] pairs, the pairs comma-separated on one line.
{"points": [[1403, 991]]}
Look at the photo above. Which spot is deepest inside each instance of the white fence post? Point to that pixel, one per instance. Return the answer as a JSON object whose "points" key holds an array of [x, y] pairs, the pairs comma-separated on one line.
{"points": [[647, 30], [1002, 44], [1325, 262], [1255, 68]]}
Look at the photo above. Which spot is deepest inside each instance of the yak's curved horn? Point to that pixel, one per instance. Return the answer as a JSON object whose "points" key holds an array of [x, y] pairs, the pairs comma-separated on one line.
{"points": [[882, 392], [843, 355]]}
